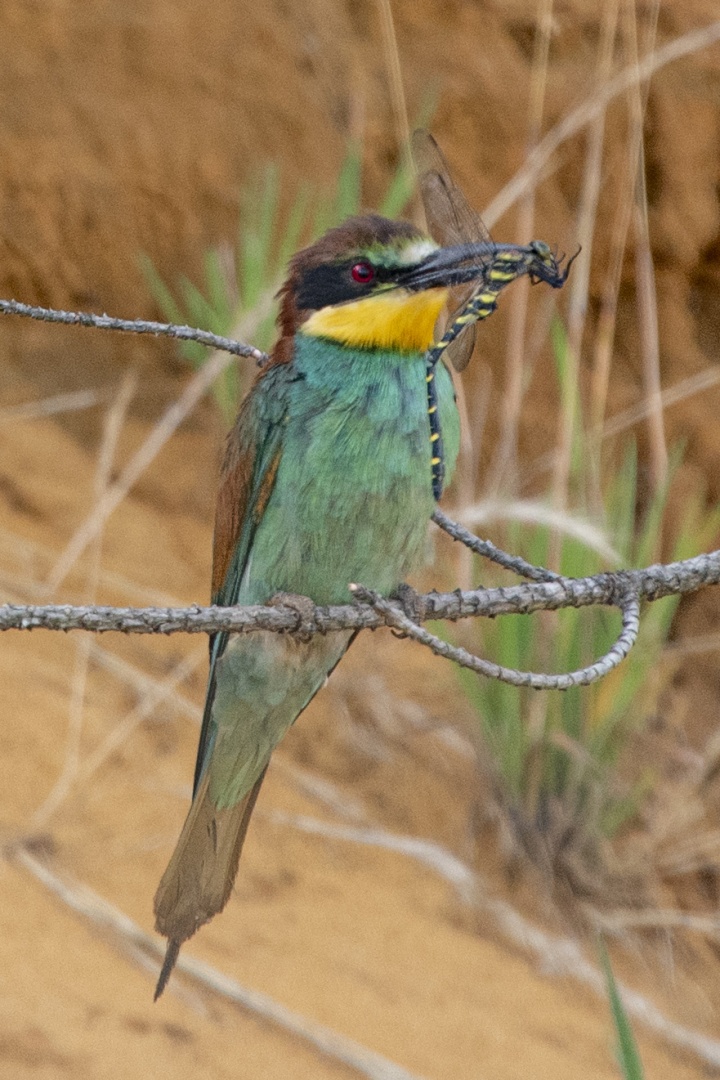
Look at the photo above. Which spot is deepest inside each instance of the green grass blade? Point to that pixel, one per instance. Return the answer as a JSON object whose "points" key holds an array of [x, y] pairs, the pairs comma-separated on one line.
{"points": [[399, 192], [160, 292], [219, 291], [627, 1051], [296, 225], [348, 193]]}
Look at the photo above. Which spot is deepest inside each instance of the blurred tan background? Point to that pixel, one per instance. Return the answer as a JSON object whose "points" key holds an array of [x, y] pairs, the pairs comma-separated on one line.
{"points": [[133, 128]]}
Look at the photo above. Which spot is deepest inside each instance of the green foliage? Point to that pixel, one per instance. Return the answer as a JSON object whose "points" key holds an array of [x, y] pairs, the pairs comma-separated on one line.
{"points": [[556, 753], [237, 295], [627, 1051]]}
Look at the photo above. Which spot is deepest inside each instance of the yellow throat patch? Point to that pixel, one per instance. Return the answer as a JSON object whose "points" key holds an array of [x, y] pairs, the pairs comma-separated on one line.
{"points": [[396, 320]]}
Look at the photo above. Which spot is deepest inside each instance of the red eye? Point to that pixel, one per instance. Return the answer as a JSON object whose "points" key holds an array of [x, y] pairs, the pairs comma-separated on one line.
{"points": [[362, 272]]}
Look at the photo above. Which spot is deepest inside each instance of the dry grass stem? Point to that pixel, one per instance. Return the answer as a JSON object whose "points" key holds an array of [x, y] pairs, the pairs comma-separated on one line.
{"points": [[395, 80], [319, 788], [161, 693], [623, 421], [112, 429], [585, 113], [673, 395], [645, 272], [199, 384], [73, 401], [151, 447], [533, 512], [119, 927], [557, 956], [503, 470], [146, 685], [619, 922], [580, 284], [605, 330], [36, 558], [607, 317], [590, 189]]}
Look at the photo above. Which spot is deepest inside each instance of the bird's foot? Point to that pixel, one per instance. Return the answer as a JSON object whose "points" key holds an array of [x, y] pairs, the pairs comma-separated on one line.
{"points": [[410, 601], [303, 607]]}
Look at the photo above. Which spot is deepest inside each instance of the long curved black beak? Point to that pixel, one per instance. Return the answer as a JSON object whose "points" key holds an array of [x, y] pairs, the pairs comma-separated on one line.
{"points": [[463, 263]]}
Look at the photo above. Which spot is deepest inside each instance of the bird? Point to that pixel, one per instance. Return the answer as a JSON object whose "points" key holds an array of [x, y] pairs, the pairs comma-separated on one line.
{"points": [[329, 477]]}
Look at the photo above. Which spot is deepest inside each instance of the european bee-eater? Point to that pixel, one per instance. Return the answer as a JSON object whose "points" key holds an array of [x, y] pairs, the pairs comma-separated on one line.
{"points": [[327, 480]]}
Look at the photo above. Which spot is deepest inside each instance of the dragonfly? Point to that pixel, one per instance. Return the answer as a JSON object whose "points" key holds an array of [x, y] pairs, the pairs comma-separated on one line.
{"points": [[452, 222]]}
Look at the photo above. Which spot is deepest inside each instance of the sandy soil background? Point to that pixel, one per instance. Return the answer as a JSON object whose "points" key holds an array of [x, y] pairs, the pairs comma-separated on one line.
{"points": [[133, 128]]}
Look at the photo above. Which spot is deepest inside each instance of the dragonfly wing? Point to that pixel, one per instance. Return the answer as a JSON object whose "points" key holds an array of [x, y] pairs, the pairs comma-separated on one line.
{"points": [[450, 220], [459, 352]]}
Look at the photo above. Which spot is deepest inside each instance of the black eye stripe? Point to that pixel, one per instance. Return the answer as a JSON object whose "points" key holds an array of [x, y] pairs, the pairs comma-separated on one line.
{"points": [[334, 283]]}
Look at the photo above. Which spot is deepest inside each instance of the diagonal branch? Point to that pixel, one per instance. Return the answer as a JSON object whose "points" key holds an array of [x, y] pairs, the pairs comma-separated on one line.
{"points": [[487, 549]]}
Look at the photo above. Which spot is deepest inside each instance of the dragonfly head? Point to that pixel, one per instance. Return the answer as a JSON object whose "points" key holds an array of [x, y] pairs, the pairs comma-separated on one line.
{"points": [[545, 265]]}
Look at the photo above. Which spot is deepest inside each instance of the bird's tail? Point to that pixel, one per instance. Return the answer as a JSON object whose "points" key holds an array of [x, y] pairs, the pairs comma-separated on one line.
{"points": [[201, 872]]}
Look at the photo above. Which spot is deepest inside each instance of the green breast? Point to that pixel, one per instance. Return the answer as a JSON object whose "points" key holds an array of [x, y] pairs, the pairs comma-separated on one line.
{"points": [[352, 497]]}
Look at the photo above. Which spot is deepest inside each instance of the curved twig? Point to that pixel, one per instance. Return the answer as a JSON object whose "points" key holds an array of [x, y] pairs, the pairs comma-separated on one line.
{"points": [[629, 605]]}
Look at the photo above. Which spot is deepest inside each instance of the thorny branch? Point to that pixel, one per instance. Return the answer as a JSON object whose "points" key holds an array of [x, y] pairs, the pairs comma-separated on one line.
{"points": [[544, 591], [132, 326], [623, 590]]}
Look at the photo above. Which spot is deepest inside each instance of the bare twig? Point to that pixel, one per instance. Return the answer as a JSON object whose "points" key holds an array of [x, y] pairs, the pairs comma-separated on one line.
{"points": [[490, 551], [132, 326]]}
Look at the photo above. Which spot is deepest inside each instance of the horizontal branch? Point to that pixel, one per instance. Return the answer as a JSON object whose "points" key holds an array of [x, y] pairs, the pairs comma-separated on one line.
{"points": [[605, 589], [132, 326]]}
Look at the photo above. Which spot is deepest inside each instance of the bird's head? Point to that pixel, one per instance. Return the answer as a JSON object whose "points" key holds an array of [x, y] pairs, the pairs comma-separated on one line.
{"points": [[364, 285], [375, 283]]}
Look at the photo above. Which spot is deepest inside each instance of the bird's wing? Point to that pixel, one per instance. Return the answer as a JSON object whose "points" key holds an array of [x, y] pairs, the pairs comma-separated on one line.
{"points": [[248, 475]]}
